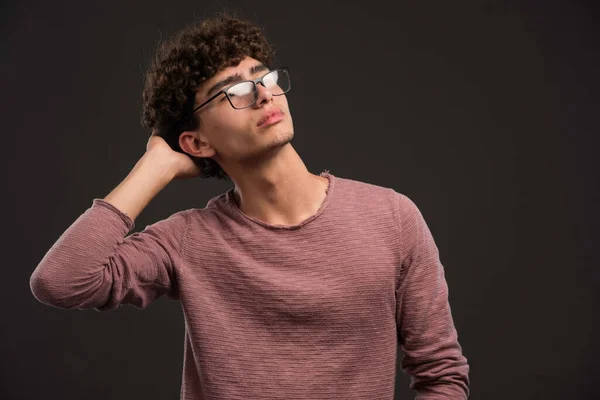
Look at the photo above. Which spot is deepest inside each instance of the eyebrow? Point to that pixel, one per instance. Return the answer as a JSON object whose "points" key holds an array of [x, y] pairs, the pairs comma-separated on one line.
{"points": [[235, 78]]}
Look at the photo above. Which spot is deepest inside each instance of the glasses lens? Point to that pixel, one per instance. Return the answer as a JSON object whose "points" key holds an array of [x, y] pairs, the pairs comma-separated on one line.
{"points": [[242, 94], [277, 81]]}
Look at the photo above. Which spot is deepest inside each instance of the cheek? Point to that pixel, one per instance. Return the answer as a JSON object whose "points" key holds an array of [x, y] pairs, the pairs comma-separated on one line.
{"points": [[230, 120], [232, 129]]}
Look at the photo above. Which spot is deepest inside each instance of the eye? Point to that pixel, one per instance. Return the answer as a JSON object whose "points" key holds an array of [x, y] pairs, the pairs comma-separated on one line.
{"points": [[271, 79]]}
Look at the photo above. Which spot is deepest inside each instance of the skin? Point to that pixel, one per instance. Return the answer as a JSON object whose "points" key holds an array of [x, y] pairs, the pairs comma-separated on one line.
{"points": [[272, 184]]}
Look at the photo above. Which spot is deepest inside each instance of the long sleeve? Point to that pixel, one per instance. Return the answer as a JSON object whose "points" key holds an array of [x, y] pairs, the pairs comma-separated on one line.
{"points": [[95, 265], [426, 333]]}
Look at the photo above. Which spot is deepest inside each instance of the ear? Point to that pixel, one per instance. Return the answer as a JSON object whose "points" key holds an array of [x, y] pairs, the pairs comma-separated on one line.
{"points": [[194, 144]]}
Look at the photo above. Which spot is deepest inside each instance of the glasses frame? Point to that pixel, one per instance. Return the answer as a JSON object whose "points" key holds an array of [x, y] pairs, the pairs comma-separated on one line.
{"points": [[255, 90]]}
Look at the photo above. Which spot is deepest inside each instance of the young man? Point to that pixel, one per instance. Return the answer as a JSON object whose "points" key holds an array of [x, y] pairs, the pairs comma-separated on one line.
{"points": [[293, 285]]}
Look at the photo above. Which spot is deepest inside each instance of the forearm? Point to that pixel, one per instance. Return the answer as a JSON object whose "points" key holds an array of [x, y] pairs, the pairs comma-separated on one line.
{"points": [[147, 178]]}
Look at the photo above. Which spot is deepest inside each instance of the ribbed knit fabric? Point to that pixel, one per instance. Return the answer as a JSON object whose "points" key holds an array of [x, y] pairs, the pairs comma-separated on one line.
{"points": [[309, 311]]}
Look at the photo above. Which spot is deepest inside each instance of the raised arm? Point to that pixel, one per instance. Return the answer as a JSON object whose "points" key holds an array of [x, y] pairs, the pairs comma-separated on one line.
{"points": [[95, 265]]}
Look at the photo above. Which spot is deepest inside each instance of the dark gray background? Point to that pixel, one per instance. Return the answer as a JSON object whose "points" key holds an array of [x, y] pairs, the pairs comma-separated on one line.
{"points": [[485, 114]]}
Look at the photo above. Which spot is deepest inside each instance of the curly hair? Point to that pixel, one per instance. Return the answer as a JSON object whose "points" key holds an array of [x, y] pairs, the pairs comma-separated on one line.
{"points": [[183, 63]]}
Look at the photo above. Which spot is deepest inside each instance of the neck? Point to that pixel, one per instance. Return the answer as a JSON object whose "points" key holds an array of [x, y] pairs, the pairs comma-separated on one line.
{"points": [[279, 190]]}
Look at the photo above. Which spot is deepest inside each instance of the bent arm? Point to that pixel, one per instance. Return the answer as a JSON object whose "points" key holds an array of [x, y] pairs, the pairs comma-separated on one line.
{"points": [[93, 264]]}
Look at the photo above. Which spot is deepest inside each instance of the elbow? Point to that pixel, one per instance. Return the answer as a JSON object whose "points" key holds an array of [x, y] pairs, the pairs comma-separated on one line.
{"points": [[63, 290], [40, 288], [45, 289]]}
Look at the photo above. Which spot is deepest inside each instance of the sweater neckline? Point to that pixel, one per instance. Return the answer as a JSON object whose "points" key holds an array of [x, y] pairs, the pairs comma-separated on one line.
{"points": [[330, 187]]}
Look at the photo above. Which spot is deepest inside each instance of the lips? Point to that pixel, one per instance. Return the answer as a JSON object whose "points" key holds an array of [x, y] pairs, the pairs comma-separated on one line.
{"points": [[268, 115]]}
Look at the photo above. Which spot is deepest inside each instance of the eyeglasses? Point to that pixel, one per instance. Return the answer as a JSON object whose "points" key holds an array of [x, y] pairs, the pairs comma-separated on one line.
{"points": [[244, 94]]}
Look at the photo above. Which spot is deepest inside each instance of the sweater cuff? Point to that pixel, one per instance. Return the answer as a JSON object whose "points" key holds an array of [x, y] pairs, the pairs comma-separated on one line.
{"points": [[106, 205]]}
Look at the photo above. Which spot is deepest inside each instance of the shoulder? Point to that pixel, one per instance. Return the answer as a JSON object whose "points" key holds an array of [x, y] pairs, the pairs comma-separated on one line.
{"points": [[174, 225], [206, 216], [404, 209], [402, 205], [364, 191]]}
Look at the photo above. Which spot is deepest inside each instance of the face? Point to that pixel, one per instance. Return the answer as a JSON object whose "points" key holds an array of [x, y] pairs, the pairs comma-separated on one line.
{"points": [[230, 135]]}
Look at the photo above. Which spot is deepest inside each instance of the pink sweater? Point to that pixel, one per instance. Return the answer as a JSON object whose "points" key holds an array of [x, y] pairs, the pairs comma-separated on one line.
{"points": [[310, 311]]}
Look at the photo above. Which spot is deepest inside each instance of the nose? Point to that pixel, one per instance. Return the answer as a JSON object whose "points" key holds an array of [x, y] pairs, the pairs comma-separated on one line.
{"points": [[263, 95]]}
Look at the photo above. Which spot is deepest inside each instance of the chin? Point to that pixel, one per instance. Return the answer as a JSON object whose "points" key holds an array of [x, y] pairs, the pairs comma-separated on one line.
{"points": [[286, 135], [278, 141], [271, 146]]}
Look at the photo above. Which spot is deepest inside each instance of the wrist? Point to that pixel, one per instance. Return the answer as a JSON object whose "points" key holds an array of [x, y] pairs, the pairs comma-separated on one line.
{"points": [[153, 165]]}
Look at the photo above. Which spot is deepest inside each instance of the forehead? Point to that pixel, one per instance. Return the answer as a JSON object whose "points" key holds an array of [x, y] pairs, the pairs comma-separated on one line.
{"points": [[242, 67]]}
